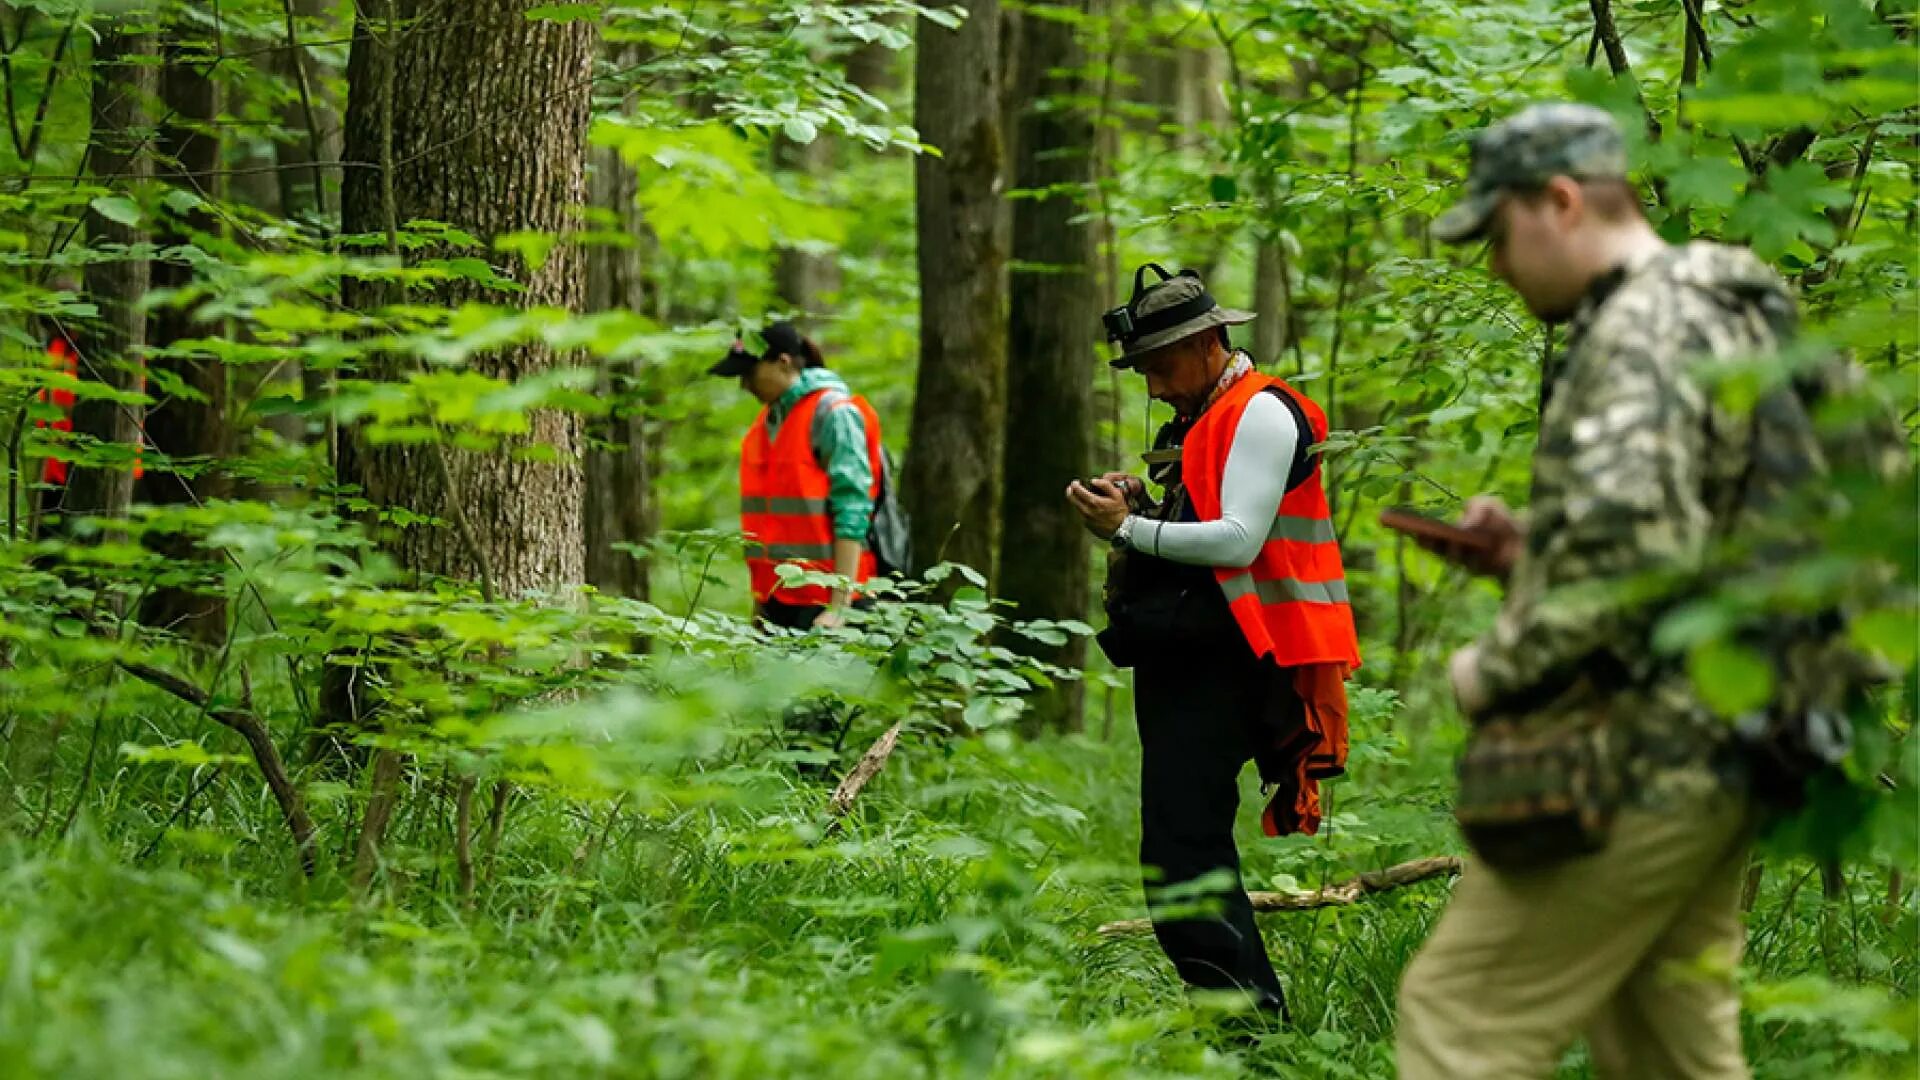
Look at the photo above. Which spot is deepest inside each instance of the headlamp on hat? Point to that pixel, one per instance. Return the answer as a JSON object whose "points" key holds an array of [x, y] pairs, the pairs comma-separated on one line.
{"points": [[1172, 309]]}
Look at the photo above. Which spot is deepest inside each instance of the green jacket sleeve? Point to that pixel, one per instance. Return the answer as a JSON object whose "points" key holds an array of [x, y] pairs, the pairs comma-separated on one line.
{"points": [[840, 444]]}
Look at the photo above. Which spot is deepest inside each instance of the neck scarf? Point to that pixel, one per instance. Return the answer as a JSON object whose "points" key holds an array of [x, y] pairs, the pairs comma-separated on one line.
{"points": [[1238, 367]]}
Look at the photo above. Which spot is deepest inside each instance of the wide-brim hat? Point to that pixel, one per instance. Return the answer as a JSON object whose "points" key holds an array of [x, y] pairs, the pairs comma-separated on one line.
{"points": [[1171, 311]]}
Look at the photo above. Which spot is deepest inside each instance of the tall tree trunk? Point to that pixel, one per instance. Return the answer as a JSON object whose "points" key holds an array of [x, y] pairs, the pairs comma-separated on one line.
{"points": [[951, 481], [488, 116], [1270, 300], [803, 279], [473, 115], [181, 425], [620, 498], [308, 117], [1053, 324], [875, 68], [307, 157], [109, 348]]}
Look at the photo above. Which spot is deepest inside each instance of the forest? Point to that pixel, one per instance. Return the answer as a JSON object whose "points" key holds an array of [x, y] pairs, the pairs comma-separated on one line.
{"points": [[379, 688]]}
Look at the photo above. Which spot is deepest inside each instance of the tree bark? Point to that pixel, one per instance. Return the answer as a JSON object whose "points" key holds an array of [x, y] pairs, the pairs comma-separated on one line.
{"points": [[306, 154], [109, 348], [1270, 300], [1052, 328], [488, 120], [474, 116], [951, 481], [621, 506], [182, 426]]}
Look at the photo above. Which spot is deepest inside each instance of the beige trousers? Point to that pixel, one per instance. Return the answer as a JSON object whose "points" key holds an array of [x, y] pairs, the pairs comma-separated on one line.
{"points": [[1634, 946]]}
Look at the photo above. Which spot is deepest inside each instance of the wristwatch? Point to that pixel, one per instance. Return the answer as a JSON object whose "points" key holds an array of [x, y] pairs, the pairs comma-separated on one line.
{"points": [[1122, 537]]}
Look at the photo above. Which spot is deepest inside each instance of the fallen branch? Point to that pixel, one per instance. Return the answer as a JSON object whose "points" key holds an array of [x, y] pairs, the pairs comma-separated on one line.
{"points": [[292, 808], [1338, 894], [865, 769]]}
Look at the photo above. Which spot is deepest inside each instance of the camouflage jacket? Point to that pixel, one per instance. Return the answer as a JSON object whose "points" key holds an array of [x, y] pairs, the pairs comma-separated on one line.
{"points": [[1636, 471]]}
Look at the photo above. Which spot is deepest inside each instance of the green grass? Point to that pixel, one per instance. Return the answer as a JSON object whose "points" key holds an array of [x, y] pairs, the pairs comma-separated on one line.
{"points": [[947, 931]]}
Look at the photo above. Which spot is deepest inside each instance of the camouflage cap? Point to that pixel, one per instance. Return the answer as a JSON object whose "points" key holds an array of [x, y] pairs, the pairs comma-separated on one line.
{"points": [[1527, 150]]}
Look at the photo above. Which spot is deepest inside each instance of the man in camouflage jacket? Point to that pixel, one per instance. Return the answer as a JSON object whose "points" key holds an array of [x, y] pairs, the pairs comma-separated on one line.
{"points": [[1635, 477]]}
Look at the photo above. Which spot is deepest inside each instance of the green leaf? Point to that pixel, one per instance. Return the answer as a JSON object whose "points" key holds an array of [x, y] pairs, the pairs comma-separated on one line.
{"points": [[1888, 632], [1707, 181], [117, 208], [800, 130], [1731, 679]]}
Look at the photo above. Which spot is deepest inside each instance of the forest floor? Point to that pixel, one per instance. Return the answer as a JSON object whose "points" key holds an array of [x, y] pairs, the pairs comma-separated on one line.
{"points": [[948, 930]]}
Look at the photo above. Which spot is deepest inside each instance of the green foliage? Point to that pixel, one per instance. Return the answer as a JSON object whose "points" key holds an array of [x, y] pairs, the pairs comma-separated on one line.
{"points": [[670, 890]]}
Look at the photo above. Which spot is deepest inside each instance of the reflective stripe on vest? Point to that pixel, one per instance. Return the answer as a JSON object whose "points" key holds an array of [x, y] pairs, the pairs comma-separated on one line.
{"points": [[1282, 590], [784, 507], [1302, 530], [1292, 602]]}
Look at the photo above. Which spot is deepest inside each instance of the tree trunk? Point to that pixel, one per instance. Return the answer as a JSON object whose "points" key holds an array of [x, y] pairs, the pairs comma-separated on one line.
{"points": [[307, 155], [109, 348], [804, 279], [181, 426], [309, 117], [488, 115], [951, 481], [620, 499], [1270, 301], [875, 68], [1053, 325], [474, 116]]}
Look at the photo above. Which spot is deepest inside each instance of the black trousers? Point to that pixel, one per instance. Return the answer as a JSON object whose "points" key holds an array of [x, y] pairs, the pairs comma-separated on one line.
{"points": [[1200, 713]]}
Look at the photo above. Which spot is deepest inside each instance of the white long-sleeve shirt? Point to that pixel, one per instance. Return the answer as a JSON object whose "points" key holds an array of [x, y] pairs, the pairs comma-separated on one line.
{"points": [[1258, 462]]}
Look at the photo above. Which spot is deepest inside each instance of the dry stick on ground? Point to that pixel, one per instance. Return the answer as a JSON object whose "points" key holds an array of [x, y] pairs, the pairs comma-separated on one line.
{"points": [[259, 741], [865, 769], [1338, 894]]}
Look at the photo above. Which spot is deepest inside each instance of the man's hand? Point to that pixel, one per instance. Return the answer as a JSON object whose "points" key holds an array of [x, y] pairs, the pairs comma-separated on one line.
{"points": [[1490, 517], [1104, 505], [828, 619], [1463, 671]]}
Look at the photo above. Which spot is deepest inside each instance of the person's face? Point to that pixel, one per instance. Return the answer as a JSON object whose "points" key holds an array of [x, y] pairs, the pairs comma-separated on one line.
{"points": [[1531, 248], [768, 379], [1181, 374]]}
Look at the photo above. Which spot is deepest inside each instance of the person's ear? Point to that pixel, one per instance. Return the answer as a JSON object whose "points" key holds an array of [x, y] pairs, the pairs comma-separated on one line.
{"points": [[1568, 200]]}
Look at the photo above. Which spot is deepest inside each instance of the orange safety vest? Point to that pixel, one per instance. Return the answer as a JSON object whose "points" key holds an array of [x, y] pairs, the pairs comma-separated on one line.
{"points": [[54, 471], [1291, 604], [783, 503]]}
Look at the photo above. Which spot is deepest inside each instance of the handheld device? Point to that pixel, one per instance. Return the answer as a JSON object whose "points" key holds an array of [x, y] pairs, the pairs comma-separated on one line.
{"points": [[1425, 527]]}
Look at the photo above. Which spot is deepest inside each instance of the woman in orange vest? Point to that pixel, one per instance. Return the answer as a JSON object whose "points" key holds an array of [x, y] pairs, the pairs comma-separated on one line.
{"points": [[1228, 600], [810, 473]]}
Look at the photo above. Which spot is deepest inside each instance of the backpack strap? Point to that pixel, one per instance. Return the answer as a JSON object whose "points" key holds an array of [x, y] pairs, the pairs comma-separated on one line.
{"points": [[832, 401], [1304, 459]]}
